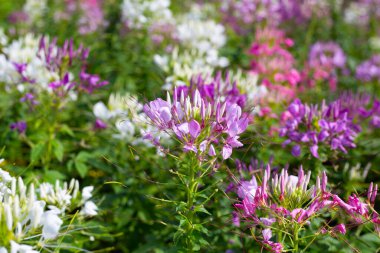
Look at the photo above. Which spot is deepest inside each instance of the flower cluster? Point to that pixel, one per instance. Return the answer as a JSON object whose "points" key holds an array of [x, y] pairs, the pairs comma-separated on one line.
{"points": [[36, 63], [196, 47], [312, 126], [287, 204], [198, 122], [360, 12], [90, 12], [125, 113], [241, 15], [325, 58], [217, 89], [35, 10], [274, 63], [369, 70], [360, 107], [137, 14], [32, 216]]}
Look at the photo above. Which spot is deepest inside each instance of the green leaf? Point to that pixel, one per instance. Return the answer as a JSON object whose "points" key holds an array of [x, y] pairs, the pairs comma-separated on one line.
{"points": [[37, 152], [83, 156], [81, 168], [58, 150], [66, 129], [53, 175], [201, 209]]}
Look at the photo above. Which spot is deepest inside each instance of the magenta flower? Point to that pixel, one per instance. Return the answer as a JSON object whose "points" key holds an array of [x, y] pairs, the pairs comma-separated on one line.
{"points": [[198, 123], [274, 247], [99, 124], [325, 59], [283, 201], [274, 63], [341, 228], [63, 60], [19, 126], [215, 89], [327, 54], [369, 70], [307, 125]]}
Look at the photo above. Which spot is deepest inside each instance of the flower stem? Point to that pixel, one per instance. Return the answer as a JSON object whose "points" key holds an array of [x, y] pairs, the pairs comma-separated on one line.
{"points": [[295, 239]]}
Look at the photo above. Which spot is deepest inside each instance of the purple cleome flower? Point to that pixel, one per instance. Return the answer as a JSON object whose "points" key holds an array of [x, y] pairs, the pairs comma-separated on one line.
{"points": [[199, 120], [369, 70], [281, 197], [19, 126], [61, 59], [331, 125]]}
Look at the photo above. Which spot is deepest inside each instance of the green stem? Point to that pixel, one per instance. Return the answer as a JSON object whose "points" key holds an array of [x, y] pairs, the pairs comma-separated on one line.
{"points": [[295, 239], [192, 188]]}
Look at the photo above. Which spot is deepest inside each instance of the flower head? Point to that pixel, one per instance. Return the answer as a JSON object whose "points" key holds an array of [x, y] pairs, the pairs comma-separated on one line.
{"points": [[312, 126], [199, 123]]}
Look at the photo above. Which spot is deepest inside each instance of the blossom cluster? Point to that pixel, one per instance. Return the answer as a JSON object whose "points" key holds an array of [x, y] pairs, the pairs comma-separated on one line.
{"points": [[35, 10], [126, 114], [35, 63], [283, 203], [369, 70], [274, 63], [201, 120], [313, 126], [360, 12], [32, 216], [335, 125], [325, 59], [90, 12], [242, 14], [137, 14], [199, 41]]}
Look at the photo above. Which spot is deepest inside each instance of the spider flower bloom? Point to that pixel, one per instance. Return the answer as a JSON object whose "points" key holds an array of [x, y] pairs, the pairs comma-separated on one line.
{"points": [[19, 126], [284, 201], [216, 89], [274, 63], [61, 59], [277, 198], [327, 54], [198, 124], [369, 70], [312, 126], [243, 15], [29, 212], [92, 18], [325, 58], [361, 106]]}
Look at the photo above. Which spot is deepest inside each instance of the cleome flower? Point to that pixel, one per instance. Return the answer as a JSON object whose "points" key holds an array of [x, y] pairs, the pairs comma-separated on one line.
{"points": [[201, 124], [125, 114], [31, 216], [274, 63], [325, 59], [369, 70], [312, 126], [282, 202], [37, 63]]}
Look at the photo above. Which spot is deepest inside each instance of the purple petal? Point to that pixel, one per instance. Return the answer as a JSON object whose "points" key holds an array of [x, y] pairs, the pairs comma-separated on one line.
{"points": [[226, 152], [194, 128], [314, 151], [296, 150]]}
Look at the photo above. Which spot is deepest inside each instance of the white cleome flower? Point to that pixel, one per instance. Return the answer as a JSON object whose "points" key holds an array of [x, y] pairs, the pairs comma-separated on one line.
{"points": [[142, 13], [51, 224], [36, 10], [27, 211], [89, 209], [87, 193], [19, 248]]}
